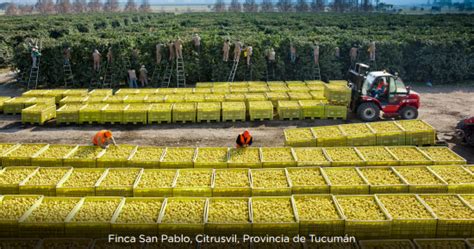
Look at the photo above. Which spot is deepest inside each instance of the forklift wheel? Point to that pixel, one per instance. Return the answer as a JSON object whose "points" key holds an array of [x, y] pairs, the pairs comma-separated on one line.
{"points": [[409, 112], [368, 112]]}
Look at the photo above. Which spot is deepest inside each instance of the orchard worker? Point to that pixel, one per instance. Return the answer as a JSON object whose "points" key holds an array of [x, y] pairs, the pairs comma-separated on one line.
{"points": [[143, 76], [103, 138], [171, 51], [244, 140], [316, 53], [109, 55], [197, 42], [353, 54], [178, 45], [96, 57], [337, 52], [35, 54], [67, 55], [158, 53], [237, 50], [271, 56], [371, 50], [225, 50], [292, 53], [249, 53], [132, 78]]}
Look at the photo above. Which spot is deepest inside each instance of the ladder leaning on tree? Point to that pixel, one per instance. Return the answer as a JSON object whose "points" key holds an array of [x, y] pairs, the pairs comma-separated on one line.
{"points": [[68, 76], [180, 75], [231, 77], [316, 71], [34, 71], [166, 79], [108, 76]]}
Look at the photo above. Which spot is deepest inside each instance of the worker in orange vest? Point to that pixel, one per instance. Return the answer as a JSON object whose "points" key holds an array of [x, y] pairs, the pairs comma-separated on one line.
{"points": [[103, 139], [244, 140]]}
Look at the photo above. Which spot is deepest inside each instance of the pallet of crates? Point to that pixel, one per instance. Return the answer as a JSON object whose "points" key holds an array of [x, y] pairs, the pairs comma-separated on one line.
{"points": [[339, 94], [116, 156], [411, 217], [458, 178], [83, 157], [73, 100], [194, 182], [234, 97], [277, 157], [10, 178], [274, 88], [418, 132], [299, 137], [421, 180], [344, 156], [45, 101], [101, 92], [319, 215], [410, 155], [270, 182], [386, 243], [52, 156], [184, 112], [183, 215], [244, 158], [233, 111], [137, 216], [112, 113], [228, 216], [455, 216], [273, 216], [359, 134], [300, 96], [378, 156], [160, 113], [65, 243], [44, 181], [21, 155], [329, 136], [13, 207], [318, 95], [202, 90], [441, 243], [68, 114], [274, 97], [115, 99], [345, 180], [146, 157], [46, 217], [209, 111], [117, 182], [289, 110], [178, 157], [297, 86], [81, 182], [315, 85], [307, 180], [155, 182], [221, 90], [2, 100], [232, 182], [90, 113], [239, 90], [195, 98], [365, 217], [214, 97], [383, 180], [312, 109], [388, 133], [311, 156], [38, 114], [443, 156], [261, 88], [15, 105], [254, 97], [211, 157], [335, 111], [260, 110], [136, 113], [91, 217]]}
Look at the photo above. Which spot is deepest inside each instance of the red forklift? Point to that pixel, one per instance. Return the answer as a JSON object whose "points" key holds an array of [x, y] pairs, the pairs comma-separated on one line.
{"points": [[465, 131], [380, 91]]}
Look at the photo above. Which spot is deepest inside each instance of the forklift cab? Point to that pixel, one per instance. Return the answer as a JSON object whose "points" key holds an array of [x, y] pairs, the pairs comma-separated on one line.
{"points": [[387, 88]]}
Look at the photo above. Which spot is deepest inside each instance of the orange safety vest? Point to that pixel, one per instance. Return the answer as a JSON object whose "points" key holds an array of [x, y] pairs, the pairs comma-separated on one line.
{"points": [[100, 136], [244, 140]]}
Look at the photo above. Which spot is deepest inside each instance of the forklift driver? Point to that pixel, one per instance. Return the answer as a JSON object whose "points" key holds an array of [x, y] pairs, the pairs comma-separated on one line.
{"points": [[380, 89]]}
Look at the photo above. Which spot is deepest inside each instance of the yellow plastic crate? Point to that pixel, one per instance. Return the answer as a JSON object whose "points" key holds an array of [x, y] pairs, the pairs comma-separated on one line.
{"points": [[90, 113], [289, 110], [178, 157], [216, 97], [193, 182], [344, 156], [13, 207], [312, 109], [383, 180], [211, 157], [112, 113], [21, 155], [146, 157], [278, 88], [155, 182], [421, 180], [440, 243], [417, 132], [386, 243], [345, 181], [411, 218], [270, 182], [136, 114], [2, 100], [443, 155], [231, 182], [118, 182], [116, 156], [165, 91], [131, 219], [17, 242], [319, 215], [160, 113], [15, 105], [244, 158], [80, 182], [378, 156], [184, 112], [124, 92], [155, 99], [335, 112], [337, 93], [359, 134], [184, 90], [65, 243], [115, 99], [5, 148], [135, 99], [299, 137], [274, 97], [83, 157], [68, 114], [202, 90], [210, 111], [239, 89], [11, 177], [101, 92], [410, 155], [274, 157], [459, 179], [329, 136], [311, 157], [38, 114], [260, 110], [52, 156], [228, 216], [44, 181], [234, 97], [388, 133], [274, 216], [307, 180], [183, 215], [233, 111], [73, 100]]}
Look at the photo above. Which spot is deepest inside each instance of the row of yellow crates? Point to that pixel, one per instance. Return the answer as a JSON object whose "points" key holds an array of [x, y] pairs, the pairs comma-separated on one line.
{"points": [[181, 112], [362, 216], [84, 243], [402, 132], [67, 181], [221, 157]]}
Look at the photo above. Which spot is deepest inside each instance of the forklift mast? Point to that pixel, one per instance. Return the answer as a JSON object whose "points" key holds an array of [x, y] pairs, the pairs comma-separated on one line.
{"points": [[357, 76]]}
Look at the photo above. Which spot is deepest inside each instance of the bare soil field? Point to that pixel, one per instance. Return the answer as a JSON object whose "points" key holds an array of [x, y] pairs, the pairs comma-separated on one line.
{"points": [[442, 107]]}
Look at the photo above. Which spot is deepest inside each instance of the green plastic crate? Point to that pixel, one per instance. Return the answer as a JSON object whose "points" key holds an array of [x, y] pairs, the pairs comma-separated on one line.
{"points": [[289, 110], [312, 109], [233, 111], [417, 132], [160, 113], [112, 113], [184, 112], [260, 110], [337, 93], [38, 114], [136, 114], [210, 111], [68, 114], [335, 111], [90, 113]]}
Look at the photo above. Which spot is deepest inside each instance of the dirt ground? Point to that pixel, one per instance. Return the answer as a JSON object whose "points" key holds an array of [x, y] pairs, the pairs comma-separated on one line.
{"points": [[442, 107]]}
